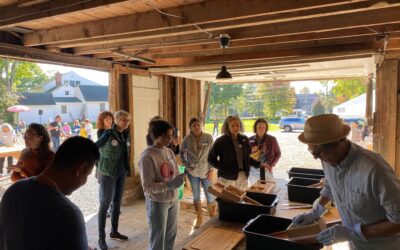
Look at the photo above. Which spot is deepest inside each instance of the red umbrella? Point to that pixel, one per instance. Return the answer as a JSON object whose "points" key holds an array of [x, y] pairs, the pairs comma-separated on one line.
{"points": [[18, 108]]}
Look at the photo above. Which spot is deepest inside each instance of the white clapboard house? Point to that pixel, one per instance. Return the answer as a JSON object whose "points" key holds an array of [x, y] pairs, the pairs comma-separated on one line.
{"points": [[69, 95]]}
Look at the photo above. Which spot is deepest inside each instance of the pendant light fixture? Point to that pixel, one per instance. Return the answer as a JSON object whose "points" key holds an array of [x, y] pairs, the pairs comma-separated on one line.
{"points": [[224, 40]]}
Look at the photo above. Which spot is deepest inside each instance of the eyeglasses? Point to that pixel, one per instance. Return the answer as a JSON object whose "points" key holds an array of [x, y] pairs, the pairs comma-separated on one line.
{"points": [[317, 150], [126, 120]]}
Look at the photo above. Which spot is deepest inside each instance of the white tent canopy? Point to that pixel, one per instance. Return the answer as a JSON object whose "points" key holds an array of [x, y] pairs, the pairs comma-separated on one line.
{"points": [[354, 107]]}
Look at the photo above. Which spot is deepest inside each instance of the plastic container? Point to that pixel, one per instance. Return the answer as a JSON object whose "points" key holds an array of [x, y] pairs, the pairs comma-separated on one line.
{"points": [[299, 191], [306, 173], [257, 237], [181, 188], [243, 212]]}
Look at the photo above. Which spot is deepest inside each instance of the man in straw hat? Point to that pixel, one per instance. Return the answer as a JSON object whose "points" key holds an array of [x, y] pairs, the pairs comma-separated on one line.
{"points": [[363, 186]]}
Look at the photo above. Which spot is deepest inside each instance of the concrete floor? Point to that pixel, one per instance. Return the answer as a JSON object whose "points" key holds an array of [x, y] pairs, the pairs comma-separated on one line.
{"points": [[133, 223]]}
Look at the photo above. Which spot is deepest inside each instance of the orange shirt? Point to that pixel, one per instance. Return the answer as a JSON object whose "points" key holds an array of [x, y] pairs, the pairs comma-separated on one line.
{"points": [[31, 165]]}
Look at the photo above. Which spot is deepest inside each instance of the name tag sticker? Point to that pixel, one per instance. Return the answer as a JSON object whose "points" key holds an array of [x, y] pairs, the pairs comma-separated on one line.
{"points": [[114, 143]]}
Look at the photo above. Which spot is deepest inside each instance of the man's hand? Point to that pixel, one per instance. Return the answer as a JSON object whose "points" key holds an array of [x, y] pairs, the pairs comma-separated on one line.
{"points": [[310, 217], [339, 233]]}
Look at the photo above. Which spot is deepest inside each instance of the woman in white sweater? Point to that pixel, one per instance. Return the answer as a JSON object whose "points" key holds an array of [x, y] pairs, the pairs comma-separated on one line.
{"points": [[160, 180]]}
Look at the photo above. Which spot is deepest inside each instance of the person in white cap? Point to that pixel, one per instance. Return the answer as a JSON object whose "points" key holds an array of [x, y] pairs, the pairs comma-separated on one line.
{"points": [[362, 184]]}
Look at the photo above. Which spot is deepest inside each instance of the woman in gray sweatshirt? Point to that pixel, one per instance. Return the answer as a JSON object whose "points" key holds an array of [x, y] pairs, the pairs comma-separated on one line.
{"points": [[160, 177]]}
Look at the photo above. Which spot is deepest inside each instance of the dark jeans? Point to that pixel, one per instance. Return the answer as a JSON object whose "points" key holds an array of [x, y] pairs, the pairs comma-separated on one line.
{"points": [[111, 189], [56, 142], [9, 162]]}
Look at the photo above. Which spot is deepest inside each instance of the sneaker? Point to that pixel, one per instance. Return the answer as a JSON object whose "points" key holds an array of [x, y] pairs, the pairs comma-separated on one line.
{"points": [[118, 236], [102, 244]]}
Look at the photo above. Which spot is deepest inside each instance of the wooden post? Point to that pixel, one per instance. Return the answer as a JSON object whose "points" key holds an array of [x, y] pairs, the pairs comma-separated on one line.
{"points": [[205, 105], [369, 99], [386, 133]]}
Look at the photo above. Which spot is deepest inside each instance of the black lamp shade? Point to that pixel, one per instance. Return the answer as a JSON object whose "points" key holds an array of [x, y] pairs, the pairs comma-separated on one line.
{"points": [[223, 74]]}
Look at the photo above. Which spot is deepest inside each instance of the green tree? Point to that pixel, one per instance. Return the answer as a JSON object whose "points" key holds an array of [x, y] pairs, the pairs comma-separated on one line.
{"points": [[327, 97], [16, 77], [318, 108], [277, 96], [346, 89], [224, 96], [254, 105]]}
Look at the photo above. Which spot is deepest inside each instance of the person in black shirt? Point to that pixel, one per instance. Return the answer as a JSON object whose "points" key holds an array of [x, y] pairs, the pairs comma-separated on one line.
{"points": [[35, 214]]}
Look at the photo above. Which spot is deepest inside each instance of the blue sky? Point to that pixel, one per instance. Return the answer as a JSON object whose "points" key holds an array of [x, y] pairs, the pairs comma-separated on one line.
{"points": [[94, 75]]}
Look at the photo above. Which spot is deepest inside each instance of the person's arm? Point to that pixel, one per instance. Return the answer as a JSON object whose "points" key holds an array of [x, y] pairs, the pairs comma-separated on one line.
{"points": [[214, 157], [103, 139], [277, 154], [385, 188], [184, 151]]}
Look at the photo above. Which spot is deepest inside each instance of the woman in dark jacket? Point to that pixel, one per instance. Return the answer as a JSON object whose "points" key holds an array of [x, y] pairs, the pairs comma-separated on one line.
{"points": [[264, 148], [230, 154], [113, 167]]}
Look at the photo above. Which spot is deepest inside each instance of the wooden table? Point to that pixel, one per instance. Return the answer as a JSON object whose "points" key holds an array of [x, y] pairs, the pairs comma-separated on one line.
{"points": [[14, 151], [331, 217]]}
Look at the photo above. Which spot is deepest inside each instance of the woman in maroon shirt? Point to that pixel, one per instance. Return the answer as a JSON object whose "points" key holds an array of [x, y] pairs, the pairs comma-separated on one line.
{"points": [[264, 148], [36, 156]]}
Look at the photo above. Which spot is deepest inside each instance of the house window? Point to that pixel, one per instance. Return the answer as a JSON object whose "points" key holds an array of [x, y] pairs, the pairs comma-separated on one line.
{"points": [[77, 83], [66, 92], [102, 107], [66, 82], [63, 109]]}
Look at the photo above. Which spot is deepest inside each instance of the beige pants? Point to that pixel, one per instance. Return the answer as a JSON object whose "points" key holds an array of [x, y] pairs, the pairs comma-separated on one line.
{"points": [[241, 182]]}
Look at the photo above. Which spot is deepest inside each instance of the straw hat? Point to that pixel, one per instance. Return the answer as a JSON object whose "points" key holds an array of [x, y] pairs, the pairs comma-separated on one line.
{"points": [[323, 129]]}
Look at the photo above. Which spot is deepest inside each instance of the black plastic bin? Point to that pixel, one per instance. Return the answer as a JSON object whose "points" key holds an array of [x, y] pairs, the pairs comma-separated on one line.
{"points": [[306, 173], [257, 229], [299, 192], [243, 212]]}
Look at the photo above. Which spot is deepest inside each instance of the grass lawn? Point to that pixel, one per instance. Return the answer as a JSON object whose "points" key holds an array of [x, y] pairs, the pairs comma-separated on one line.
{"points": [[248, 126]]}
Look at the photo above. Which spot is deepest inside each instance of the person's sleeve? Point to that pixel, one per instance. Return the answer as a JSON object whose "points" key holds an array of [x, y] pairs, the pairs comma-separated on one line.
{"points": [[385, 189], [277, 154], [326, 190], [72, 233], [184, 150], [103, 139], [148, 177], [211, 142], [214, 157]]}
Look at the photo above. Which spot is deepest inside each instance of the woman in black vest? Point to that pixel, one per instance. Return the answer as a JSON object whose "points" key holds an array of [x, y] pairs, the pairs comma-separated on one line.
{"points": [[113, 168]]}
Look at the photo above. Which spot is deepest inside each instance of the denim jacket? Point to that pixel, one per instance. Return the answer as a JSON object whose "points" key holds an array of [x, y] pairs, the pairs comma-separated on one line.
{"points": [[196, 162]]}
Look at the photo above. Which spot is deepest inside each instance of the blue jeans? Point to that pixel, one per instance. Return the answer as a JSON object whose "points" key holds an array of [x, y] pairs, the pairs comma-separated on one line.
{"points": [[9, 162], [163, 224], [195, 184], [56, 142], [111, 188]]}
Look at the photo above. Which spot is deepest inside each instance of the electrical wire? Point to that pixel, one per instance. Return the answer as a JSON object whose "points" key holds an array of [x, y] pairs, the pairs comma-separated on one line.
{"points": [[210, 35], [43, 11]]}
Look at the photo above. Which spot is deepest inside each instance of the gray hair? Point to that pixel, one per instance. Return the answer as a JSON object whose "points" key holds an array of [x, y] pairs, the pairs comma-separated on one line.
{"points": [[225, 126], [119, 114]]}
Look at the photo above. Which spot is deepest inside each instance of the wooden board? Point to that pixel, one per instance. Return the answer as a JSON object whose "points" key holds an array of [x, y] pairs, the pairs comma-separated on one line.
{"points": [[266, 187], [215, 238]]}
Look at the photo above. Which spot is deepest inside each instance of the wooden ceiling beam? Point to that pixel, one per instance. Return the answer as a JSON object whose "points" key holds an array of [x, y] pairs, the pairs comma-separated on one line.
{"points": [[239, 37], [206, 14], [369, 47], [272, 63], [44, 56], [12, 15]]}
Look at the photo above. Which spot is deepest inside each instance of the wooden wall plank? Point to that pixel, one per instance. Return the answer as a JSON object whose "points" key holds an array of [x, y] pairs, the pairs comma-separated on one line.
{"points": [[385, 137]]}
